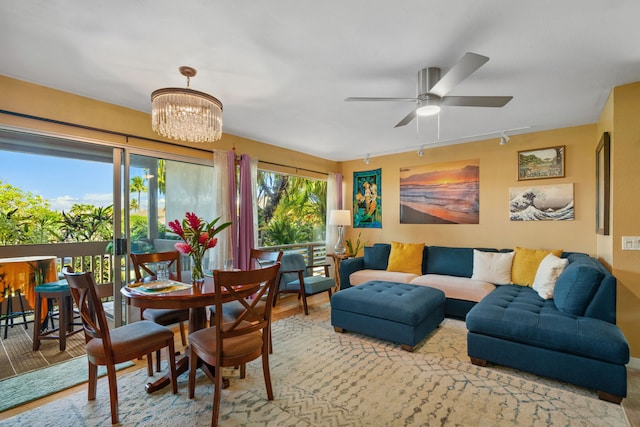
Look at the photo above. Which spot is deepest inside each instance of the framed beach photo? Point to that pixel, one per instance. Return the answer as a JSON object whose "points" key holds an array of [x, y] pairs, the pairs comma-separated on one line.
{"points": [[541, 163]]}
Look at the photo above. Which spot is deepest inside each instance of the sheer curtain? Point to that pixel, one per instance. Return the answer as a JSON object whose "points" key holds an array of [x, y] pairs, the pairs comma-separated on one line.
{"points": [[224, 203], [247, 233], [334, 201]]}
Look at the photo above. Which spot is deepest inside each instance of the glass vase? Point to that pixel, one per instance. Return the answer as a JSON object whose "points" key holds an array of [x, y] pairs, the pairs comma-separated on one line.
{"points": [[197, 274]]}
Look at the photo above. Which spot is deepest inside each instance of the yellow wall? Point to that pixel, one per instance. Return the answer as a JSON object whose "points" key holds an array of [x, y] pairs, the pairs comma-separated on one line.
{"points": [[497, 175], [25, 98], [621, 118], [498, 172]]}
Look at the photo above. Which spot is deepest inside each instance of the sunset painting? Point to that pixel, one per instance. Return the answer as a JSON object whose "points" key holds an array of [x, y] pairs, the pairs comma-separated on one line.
{"points": [[444, 193]]}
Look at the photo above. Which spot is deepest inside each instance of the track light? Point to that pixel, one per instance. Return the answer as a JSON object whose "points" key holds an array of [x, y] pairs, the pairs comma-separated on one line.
{"points": [[421, 152], [504, 139], [366, 159]]}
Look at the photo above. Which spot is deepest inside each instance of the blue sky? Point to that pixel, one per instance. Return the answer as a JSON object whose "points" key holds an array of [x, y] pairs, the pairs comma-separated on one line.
{"points": [[63, 182]]}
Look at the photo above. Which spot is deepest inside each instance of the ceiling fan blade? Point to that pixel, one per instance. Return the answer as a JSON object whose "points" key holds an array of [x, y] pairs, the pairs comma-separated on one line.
{"points": [[469, 63], [407, 119], [381, 99], [475, 101]]}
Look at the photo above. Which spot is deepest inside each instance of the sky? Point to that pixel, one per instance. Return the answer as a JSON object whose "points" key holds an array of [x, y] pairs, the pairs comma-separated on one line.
{"points": [[63, 182]]}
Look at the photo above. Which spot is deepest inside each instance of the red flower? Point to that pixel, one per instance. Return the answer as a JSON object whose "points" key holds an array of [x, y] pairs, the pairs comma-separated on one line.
{"points": [[212, 242], [193, 220], [176, 228]]}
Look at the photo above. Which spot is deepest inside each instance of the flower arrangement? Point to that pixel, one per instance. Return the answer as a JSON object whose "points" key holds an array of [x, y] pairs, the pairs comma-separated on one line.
{"points": [[197, 236], [353, 250]]}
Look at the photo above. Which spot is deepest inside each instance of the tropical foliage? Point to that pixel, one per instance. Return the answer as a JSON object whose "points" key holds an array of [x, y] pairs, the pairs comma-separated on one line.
{"points": [[291, 209]]}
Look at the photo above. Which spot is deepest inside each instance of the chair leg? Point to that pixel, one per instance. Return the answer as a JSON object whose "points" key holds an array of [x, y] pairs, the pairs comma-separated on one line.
{"points": [[37, 324], [266, 372], [172, 366], [93, 381], [113, 393], [158, 361], [270, 340], [303, 294], [193, 365], [217, 395], [183, 334], [243, 371], [150, 364]]}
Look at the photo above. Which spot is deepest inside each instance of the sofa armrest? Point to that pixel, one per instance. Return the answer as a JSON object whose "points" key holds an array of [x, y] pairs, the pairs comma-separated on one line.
{"points": [[348, 266]]}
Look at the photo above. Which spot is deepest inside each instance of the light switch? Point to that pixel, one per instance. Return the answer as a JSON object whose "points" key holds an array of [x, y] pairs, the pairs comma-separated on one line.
{"points": [[631, 243]]}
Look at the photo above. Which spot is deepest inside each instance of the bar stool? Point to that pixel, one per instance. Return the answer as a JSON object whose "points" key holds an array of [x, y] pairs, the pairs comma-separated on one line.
{"points": [[10, 313], [61, 293]]}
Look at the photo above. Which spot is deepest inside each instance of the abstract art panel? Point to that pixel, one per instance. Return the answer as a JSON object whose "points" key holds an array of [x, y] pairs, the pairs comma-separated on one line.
{"points": [[541, 203], [444, 193]]}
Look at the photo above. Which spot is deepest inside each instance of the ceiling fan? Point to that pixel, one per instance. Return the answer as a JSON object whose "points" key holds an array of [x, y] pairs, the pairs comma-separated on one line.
{"points": [[432, 90]]}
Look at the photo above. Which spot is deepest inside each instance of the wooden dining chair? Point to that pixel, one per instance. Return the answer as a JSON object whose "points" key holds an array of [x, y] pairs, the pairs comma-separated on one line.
{"points": [[240, 341], [145, 268], [110, 347]]}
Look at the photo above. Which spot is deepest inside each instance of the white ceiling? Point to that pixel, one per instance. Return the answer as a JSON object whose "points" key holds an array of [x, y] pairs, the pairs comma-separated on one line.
{"points": [[282, 68]]}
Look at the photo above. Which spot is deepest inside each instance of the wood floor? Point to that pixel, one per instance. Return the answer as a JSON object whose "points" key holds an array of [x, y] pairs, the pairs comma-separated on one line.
{"points": [[288, 306]]}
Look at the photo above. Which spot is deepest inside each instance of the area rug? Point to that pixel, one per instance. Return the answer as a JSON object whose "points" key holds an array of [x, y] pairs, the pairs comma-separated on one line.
{"points": [[24, 388], [324, 378]]}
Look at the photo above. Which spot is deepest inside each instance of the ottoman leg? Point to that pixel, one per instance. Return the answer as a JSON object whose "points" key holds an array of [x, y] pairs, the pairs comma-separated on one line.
{"points": [[408, 348], [337, 329]]}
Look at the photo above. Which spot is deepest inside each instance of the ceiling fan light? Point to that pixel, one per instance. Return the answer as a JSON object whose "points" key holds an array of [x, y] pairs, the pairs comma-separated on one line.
{"points": [[428, 107]]}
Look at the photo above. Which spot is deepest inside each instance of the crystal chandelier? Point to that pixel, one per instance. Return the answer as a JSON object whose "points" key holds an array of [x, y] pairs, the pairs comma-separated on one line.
{"points": [[186, 114]]}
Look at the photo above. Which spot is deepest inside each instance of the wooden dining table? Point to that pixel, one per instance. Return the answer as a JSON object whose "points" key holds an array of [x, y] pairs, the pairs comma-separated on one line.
{"points": [[196, 298]]}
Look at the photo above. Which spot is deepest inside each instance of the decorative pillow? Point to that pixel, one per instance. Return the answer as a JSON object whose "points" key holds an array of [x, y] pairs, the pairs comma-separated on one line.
{"points": [[376, 257], [449, 261], [548, 272], [492, 267], [406, 257], [575, 288], [526, 262]]}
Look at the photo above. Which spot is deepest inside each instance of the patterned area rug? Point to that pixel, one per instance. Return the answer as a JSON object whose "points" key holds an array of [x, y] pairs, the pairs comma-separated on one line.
{"points": [[322, 378]]}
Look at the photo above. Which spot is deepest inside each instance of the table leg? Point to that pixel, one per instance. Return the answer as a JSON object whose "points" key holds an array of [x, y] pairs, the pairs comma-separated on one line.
{"points": [[197, 321]]}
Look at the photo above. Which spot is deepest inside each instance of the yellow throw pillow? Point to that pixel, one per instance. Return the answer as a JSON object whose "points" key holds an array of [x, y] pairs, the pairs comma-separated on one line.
{"points": [[526, 262], [406, 257]]}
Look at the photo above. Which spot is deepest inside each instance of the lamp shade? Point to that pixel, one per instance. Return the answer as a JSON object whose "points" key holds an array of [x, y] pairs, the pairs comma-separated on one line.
{"points": [[340, 217]]}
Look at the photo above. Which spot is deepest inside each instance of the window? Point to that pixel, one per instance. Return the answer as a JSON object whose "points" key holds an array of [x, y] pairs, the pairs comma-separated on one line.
{"points": [[291, 209]]}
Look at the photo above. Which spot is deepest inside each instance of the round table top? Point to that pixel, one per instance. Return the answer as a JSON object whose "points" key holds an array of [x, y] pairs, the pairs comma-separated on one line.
{"points": [[201, 295]]}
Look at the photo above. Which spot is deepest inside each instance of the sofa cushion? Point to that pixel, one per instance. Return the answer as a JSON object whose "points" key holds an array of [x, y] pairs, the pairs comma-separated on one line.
{"points": [[517, 313], [406, 257], [526, 262], [361, 276], [461, 288], [493, 267], [376, 257], [548, 272], [576, 286], [450, 261]]}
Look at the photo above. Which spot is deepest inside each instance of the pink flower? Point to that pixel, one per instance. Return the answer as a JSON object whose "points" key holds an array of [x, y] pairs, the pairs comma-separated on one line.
{"points": [[212, 242], [183, 248]]}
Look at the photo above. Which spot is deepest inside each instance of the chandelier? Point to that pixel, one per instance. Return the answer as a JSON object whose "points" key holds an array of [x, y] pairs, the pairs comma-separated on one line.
{"points": [[186, 114]]}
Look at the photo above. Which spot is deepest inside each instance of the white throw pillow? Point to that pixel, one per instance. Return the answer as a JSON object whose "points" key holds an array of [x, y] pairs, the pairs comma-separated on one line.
{"points": [[494, 267], [548, 271]]}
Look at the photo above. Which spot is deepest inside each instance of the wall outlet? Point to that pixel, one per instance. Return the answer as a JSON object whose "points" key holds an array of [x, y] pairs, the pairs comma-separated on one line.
{"points": [[631, 243]]}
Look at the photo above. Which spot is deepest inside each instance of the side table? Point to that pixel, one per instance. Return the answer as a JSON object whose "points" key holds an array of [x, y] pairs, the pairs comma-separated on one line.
{"points": [[337, 259]]}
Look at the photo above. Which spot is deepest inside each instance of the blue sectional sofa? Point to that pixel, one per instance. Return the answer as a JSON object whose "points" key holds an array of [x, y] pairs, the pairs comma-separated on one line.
{"points": [[572, 337]]}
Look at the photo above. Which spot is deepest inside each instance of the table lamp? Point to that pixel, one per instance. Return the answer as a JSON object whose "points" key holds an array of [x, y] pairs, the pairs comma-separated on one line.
{"points": [[340, 218]]}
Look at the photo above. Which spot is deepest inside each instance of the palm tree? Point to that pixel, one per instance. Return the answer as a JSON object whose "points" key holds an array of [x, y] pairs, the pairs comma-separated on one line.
{"points": [[137, 186]]}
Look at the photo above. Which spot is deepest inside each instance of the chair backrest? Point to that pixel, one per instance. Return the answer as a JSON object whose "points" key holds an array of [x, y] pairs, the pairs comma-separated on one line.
{"points": [[144, 264], [260, 258], [85, 294], [237, 286]]}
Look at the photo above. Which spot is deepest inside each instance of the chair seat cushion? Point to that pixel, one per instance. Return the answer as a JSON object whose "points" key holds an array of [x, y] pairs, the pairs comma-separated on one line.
{"points": [[130, 340], [312, 284], [204, 340], [165, 316]]}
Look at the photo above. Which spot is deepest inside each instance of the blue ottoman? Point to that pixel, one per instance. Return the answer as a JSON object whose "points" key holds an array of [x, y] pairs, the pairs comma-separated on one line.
{"points": [[396, 312]]}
